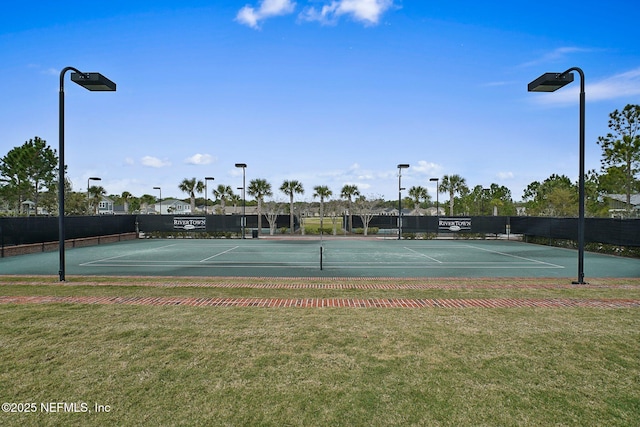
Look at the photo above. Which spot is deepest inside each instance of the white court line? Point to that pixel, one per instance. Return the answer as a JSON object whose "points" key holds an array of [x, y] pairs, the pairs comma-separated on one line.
{"points": [[423, 255], [333, 265], [516, 256], [239, 264], [221, 253], [127, 254]]}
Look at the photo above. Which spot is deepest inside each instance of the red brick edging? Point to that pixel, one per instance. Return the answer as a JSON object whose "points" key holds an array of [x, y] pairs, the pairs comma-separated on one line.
{"points": [[330, 302]]}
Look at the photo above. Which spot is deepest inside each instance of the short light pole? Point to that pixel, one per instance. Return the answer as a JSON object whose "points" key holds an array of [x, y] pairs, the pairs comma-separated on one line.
{"points": [[206, 194], [400, 167], [437, 181], [244, 200], [159, 189], [94, 82], [485, 195], [93, 178], [550, 82]]}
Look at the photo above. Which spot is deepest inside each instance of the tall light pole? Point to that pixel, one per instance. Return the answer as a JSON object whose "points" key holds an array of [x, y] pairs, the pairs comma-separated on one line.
{"points": [[206, 195], [437, 181], [244, 200], [550, 82], [400, 167], [159, 189], [94, 82], [93, 178]]}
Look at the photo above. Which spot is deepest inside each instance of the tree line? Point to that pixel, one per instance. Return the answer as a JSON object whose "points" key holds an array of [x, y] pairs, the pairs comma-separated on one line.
{"points": [[28, 182]]}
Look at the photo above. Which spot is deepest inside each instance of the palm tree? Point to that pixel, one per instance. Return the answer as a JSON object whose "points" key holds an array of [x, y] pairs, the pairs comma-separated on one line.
{"points": [[235, 199], [290, 188], [96, 192], [125, 199], [418, 193], [323, 192], [224, 193], [347, 192], [259, 188], [190, 186], [452, 184]]}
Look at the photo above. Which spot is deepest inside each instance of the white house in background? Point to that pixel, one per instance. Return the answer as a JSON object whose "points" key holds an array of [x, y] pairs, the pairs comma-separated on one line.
{"points": [[171, 207], [105, 207]]}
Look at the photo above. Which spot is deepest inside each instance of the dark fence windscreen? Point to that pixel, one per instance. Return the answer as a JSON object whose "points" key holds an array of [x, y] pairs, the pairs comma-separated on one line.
{"points": [[27, 230], [38, 229]]}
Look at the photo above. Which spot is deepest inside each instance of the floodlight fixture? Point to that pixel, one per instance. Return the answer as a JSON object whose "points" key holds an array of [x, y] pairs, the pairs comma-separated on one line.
{"points": [[92, 82], [550, 82]]}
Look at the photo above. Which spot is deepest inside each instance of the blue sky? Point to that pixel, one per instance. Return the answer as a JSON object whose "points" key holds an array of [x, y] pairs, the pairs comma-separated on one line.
{"points": [[326, 92]]}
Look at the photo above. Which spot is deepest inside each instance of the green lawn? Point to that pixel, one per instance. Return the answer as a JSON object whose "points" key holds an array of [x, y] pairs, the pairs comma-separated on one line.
{"points": [[301, 367]]}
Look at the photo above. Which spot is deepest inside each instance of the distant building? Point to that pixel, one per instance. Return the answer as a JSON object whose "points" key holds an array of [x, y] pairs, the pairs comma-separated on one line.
{"points": [[171, 207], [618, 207], [105, 207]]}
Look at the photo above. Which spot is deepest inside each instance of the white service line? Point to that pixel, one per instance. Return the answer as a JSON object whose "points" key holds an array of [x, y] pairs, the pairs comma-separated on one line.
{"points": [[423, 255], [516, 256], [120, 256], [221, 253]]}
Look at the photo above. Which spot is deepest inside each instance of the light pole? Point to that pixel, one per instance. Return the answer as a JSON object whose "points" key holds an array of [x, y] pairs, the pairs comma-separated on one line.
{"points": [[485, 195], [94, 82], [400, 167], [244, 201], [437, 181], [206, 195], [93, 178], [159, 189], [550, 82]]}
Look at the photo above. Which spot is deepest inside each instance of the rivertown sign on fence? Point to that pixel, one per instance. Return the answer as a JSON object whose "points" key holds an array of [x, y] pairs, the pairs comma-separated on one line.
{"points": [[454, 224], [190, 223]]}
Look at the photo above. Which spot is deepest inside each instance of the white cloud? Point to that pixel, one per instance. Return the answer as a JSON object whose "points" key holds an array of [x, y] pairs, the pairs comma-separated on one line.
{"points": [[505, 175], [129, 161], [252, 16], [367, 11], [427, 168], [200, 159], [355, 172], [154, 162], [556, 55], [625, 84]]}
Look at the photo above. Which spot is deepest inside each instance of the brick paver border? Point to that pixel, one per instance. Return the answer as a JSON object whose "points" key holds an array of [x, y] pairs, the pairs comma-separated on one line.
{"points": [[330, 283], [330, 302]]}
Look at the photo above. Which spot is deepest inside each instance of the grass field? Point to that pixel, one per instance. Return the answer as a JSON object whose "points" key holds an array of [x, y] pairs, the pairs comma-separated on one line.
{"points": [[182, 365]]}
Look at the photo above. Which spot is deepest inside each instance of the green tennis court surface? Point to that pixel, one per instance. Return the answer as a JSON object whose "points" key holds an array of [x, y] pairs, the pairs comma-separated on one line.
{"points": [[340, 258]]}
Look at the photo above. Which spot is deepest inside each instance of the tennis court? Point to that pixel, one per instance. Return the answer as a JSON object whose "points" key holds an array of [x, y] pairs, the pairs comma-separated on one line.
{"points": [[327, 258]]}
